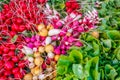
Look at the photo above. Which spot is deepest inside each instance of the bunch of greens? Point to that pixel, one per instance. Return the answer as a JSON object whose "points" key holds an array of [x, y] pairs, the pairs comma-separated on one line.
{"points": [[102, 54], [110, 12], [98, 59], [77, 67]]}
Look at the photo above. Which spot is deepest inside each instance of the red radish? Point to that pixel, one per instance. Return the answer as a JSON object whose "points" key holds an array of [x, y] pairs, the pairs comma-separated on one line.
{"points": [[1, 52], [21, 64], [14, 27], [48, 61], [3, 78], [6, 50], [12, 33], [1, 63], [12, 47], [20, 55], [15, 59], [6, 58], [11, 53], [19, 20], [21, 28], [7, 72], [9, 65], [44, 66], [15, 70], [18, 75]]}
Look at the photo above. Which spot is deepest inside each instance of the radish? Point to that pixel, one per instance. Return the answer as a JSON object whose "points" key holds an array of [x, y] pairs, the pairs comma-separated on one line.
{"points": [[49, 48], [31, 65], [48, 40], [41, 76], [54, 32], [30, 59], [50, 55], [28, 76], [27, 50], [41, 26], [9, 65]]}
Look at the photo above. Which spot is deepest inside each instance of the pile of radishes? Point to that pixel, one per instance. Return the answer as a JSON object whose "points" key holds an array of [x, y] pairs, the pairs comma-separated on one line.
{"points": [[34, 56]]}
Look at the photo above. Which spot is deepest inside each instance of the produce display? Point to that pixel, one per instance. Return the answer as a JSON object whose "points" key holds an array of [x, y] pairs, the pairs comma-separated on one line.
{"points": [[59, 40]]}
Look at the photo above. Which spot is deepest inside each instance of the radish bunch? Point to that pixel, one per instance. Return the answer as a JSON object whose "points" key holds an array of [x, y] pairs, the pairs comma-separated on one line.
{"points": [[12, 63]]}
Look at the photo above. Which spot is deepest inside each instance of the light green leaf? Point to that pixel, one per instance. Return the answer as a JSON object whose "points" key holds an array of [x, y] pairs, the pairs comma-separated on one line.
{"points": [[76, 56], [13, 40], [96, 49], [113, 34], [78, 71]]}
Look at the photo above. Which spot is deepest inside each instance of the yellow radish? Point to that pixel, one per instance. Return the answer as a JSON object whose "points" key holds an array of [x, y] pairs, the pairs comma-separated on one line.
{"points": [[43, 32], [38, 61], [36, 54], [28, 76], [41, 49], [49, 48], [36, 70], [49, 27], [41, 26], [56, 57]]}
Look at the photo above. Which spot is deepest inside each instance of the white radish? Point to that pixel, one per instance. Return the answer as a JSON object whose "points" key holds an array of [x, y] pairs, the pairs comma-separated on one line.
{"points": [[34, 49], [35, 78], [50, 55], [54, 43], [30, 59], [27, 50], [54, 32], [48, 40], [41, 76], [31, 65]]}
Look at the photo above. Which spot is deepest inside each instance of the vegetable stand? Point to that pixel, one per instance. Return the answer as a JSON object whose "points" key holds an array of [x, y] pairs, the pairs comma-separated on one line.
{"points": [[59, 40]]}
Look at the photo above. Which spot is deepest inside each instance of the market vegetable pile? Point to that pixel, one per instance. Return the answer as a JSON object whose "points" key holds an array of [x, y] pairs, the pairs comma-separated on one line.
{"points": [[43, 41]]}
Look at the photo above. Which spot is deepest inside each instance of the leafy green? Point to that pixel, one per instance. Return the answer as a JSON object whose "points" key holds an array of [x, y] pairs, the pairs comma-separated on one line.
{"points": [[78, 70], [13, 40]]}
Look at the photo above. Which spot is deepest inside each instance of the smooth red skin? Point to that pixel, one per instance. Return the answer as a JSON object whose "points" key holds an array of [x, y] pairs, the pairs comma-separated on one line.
{"points": [[19, 21], [1, 64], [48, 61], [15, 70], [15, 27], [12, 47], [15, 59], [1, 52], [44, 66], [21, 64], [0, 38], [11, 53], [1, 48], [12, 33], [21, 55], [42, 1], [22, 28], [3, 78], [9, 65], [6, 50], [18, 75], [6, 58], [7, 72]]}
